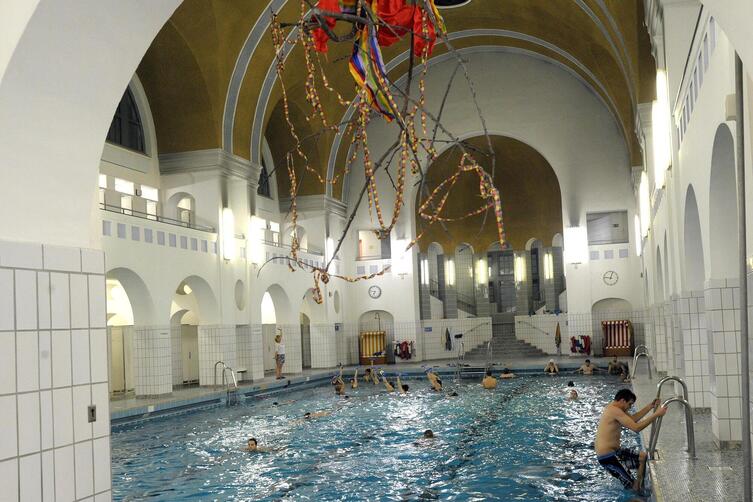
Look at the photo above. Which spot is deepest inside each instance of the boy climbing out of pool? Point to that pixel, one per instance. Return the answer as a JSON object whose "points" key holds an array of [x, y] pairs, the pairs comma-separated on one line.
{"points": [[489, 382], [615, 459]]}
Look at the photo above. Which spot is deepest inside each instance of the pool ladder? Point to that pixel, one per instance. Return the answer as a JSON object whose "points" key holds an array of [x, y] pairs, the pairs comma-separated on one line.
{"points": [[230, 384], [641, 351], [683, 400], [460, 362]]}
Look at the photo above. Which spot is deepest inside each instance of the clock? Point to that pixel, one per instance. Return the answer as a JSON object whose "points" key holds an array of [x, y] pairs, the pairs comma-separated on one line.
{"points": [[610, 278], [375, 292]]}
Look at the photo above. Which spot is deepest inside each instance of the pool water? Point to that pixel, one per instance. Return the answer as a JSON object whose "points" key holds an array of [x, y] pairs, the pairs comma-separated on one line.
{"points": [[522, 441]]}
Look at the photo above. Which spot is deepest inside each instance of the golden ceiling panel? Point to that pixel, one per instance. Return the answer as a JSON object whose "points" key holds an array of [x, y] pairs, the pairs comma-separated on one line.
{"points": [[187, 70], [530, 193]]}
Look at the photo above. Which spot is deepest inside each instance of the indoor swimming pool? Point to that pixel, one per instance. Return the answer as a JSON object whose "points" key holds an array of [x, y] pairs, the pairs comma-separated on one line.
{"points": [[523, 441]]}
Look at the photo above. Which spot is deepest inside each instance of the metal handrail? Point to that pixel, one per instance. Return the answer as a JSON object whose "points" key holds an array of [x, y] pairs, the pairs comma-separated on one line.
{"points": [[489, 353], [225, 383], [154, 217], [658, 393], [638, 354], [460, 360], [654, 438], [520, 321]]}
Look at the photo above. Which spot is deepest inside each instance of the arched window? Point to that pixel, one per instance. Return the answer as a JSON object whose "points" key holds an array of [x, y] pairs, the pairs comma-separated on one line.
{"points": [[125, 129], [263, 188]]}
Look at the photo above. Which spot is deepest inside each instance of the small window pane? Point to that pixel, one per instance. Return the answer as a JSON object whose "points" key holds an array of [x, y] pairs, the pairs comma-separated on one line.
{"points": [[607, 228]]}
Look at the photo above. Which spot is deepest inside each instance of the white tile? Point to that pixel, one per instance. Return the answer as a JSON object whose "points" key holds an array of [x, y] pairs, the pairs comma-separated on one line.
{"points": [[62, 416], [20, 254], [61, 358], [60, 313], [30, 477], [64, 258], [98, 350], [84, 470], [92, 261], [7, 362], [735, 430], [82, 429], [97, 302], [64, 472], [727, 302], [102, 464], [9, 444], [9, 479], [79, 301], [26, 299], [101, 399], [734, 408], [45, 406], [45, 360], [43, 299], [28, 423], [80, 356], [48, 476], [729, 320], [27, 350], [103, 497], [7, 314]]}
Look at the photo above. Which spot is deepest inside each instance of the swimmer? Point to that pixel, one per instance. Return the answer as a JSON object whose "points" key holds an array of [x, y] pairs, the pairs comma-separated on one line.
{"points": [[354, 380], [572, 395], [607, 445], [339, 384], [506, 374], [252, 445], [425, 438], [280, 403], [614, 367], [587, 368], [570, 384], [434, 380], [624, 373], [317, 414], [551, 368], [390, 388], [489, 382], [371, 375]]}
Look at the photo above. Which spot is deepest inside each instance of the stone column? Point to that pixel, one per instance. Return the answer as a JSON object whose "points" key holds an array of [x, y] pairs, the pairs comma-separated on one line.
{"points": [[216, 343], [723, 332], [152, 361], [53, 366]]}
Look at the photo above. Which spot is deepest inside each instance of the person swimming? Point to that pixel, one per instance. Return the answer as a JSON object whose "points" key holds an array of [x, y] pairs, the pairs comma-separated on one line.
{"points": [[489, 382], [551, 368], [572, 395], [354, 380], [403, 388], [434, 380], [428, 434], [506, 374]]}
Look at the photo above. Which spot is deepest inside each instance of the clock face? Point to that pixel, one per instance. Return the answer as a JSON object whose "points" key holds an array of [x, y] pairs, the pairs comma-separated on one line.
{"points": [[375, 292], [610, 278]]}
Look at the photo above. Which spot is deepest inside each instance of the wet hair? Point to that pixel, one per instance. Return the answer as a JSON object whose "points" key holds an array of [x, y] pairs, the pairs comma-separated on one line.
{"points": [[254, 440], [588, 360], [625, 395], [307, 414], [506, 371], [275, 403], [346, 397], [453, 394], [428, 433], [405, 387], [488, 372], [570, 384]]}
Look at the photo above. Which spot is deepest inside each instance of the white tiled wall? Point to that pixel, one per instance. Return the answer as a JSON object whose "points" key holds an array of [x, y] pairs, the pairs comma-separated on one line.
{"points": [[723, 311], [152, 361], [53, 366], [691, 347], [539, 330], [176, 355], [216, 343]]}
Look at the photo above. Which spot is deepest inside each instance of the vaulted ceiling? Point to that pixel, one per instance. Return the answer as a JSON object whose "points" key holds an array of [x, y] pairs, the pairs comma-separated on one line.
{"points": [[211, 83]]}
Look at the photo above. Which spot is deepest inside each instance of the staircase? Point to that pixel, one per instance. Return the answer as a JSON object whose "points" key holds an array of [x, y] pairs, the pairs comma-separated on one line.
{"points": [[504, 344]]}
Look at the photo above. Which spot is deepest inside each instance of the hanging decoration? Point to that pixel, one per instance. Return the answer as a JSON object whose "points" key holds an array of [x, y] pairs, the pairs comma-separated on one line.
{"points": [[375, 24]]}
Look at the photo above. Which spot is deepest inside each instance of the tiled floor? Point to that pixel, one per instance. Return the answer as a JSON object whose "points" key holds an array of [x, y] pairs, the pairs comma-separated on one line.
{"points": [[714, 475]]}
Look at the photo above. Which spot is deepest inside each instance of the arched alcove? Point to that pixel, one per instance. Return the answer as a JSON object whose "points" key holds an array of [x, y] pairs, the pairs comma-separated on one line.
{"points": [[464, 278], [181, 206], [659, 279], [276, 312], [196, 292], [667, 279], [137, 296], [695, 272], [379, 320], [723, 247]]}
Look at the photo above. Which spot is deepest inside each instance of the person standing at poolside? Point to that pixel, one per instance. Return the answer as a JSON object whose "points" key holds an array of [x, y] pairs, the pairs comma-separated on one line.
{"points": [[607, 444], [279, 354]]}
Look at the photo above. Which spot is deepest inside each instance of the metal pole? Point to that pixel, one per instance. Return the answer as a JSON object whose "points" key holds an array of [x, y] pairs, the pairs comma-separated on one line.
{"points": [[744, 356]]}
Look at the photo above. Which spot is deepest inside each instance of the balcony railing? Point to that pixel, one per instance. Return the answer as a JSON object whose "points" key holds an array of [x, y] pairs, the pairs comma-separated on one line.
{"points": [[371, 257], [308, 249], [154, 217]]}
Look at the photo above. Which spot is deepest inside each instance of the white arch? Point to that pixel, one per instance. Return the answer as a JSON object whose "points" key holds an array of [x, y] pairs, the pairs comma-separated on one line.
{"points": [[138, 294], [207, 306], [695, 272], [723, 249], [659, 278]]}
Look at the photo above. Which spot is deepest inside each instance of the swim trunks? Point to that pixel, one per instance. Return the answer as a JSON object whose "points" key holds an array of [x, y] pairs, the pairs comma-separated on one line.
{"points": [[281, 358], [615, 463]]}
